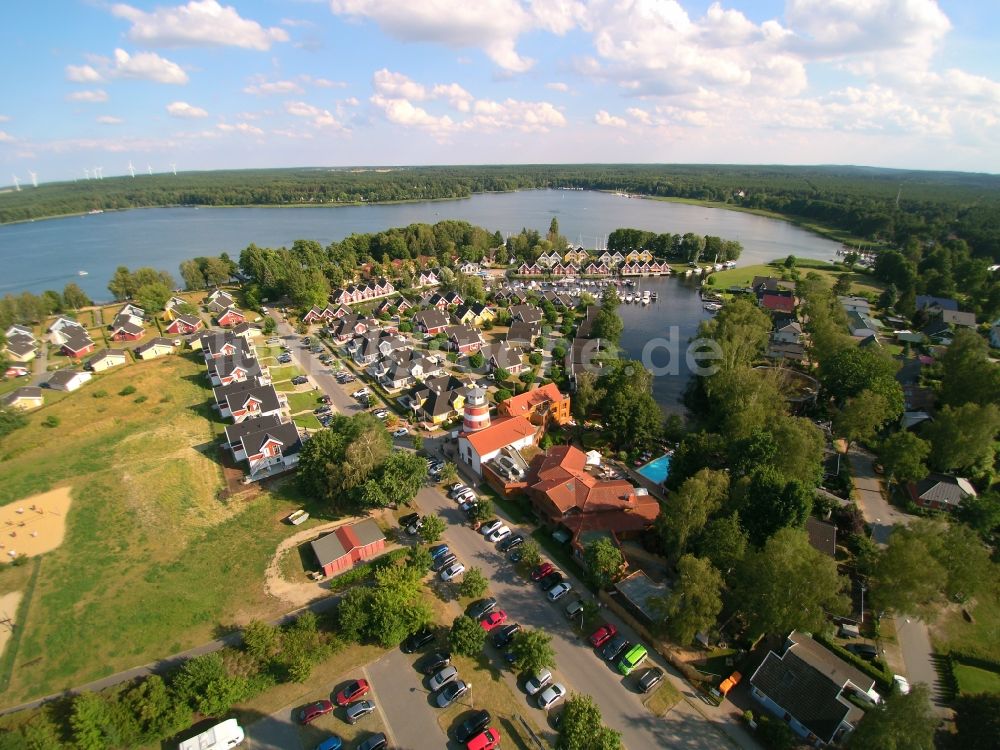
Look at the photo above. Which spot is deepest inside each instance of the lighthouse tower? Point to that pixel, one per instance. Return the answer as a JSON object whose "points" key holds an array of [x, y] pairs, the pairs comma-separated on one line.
{"points": [[477, 411]]}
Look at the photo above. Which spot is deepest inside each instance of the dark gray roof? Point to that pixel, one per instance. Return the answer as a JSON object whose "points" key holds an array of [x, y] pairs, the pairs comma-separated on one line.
{"points": [[431, 318], [925, 301], [463, 335], [522, 332], [237, 398], [260, 432], [25, 391], [62, 378], [804, 692], [102, 354], [526, 313], [223, 366], [941, 489], [341, 541], [78, 339], [153, 342], [20, 346], [236, 432], [822, 536], [503, 355]]}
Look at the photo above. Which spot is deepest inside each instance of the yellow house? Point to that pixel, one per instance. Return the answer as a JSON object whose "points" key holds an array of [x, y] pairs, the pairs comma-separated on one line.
{"points": [[154, 348], [639, 256], [474, 315], [24, 398], [576, 256], [106, 359], [20, 350]]}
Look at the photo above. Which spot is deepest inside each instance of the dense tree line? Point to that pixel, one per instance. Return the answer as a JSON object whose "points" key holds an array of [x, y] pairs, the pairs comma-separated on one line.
{"points": [[28, 308], [688, 247], [880, 204]]}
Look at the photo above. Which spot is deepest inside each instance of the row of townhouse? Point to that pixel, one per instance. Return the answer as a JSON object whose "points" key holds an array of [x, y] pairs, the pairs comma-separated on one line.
{"points": [[440, 301], [326, 314], [128, 323], [645, 268], [261, 435], [71, 337], [21, 343], [369, 290]]}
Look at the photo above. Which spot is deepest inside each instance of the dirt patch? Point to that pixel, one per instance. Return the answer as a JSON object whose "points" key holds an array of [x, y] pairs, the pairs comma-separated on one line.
{"points": [[34, 525], [8, 610], [299, 592]]}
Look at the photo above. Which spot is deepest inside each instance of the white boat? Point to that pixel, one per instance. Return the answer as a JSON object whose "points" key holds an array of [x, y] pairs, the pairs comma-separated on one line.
{"points": [[688, 272], [81, 273], [712, 306]]}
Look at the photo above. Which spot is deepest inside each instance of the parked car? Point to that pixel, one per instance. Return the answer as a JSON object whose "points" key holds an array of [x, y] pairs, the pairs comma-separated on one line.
{"points": [[451, 693], [435, 662], [416, 641], [498, 535], [443, 677], [551, 696], [333, 742], [375, 742], [443, 562], [650, 679], [472, 726], [359, 393], [503, 635], [313, 711], [438, 549], [614, 647], [493, 620], [574, 609], [538, 681], [516, 554], [541, 571], [559, 591], [901, 683], [400, 432], [273, 341], [511, 542], [866, 651], [299, 380], [414, 527], [466, 496], [490, 526], [457, 489], [322, 410], [552, 579], [479, 609], [352, 691], [359, 710], [632, 659], [489, 739], [603, 634], [468, 506], [452, 571], [409, 518]]}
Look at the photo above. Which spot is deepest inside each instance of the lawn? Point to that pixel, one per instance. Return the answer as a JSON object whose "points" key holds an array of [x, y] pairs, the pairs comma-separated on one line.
{"points": [[981, 637], [286, 372], [306, 401], [153, 562], [307, 421], [743, 275], [663, 698], [972, 680]]}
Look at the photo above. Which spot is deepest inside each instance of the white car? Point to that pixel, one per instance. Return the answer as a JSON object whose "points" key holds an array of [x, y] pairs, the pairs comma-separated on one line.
{"points": [[400, 432], [465, 496], [452, 571], [502, 533], [443, 677], [538, 681], [359, 393], [551, 696], [902, 683], [489, 528], [559, 591]]}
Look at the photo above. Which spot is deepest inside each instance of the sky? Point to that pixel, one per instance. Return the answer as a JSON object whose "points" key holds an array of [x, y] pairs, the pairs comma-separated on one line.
{"points": [[88, 85]]}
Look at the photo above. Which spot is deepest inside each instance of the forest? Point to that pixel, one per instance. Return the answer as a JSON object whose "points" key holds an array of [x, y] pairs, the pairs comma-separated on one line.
{"points": [[882, 205]]}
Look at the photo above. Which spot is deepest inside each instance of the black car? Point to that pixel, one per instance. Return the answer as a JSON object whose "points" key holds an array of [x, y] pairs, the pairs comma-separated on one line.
{"points": [[504, 635], [409, 518], [472, 726], [865, 651], [435, 662], [375, 742], [614, 647], [511, 542], [479, 609], [418, 640], [551, 580], [516, 554], [650, 679], [444, 562]]}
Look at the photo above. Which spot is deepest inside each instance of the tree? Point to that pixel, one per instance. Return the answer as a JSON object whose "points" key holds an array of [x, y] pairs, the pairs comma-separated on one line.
{"points": [[842, 286], [632, 417], [861, 417], [338, 460], [981, 513], [483, 511], [962, 437], [741, 329], [770, 503], [533, 651], [787, 585], [902, 455], [690, 508], [397, 480], [466, 637], [261, 640], [10, 420], [477, 360], [433, 528], [695, 601], [723, 542], [608, 325], [900, 722], [449, 474], [270, 326], [397, 608], [153, 296], [582, 727], [850, 371], [192, 274], [977, 719], [531, 554], [603, 561], [352, 613], [419, 557], [587, 396], [121, 285], [74, 297], [967, 374], [474, 584], [90, 721]]}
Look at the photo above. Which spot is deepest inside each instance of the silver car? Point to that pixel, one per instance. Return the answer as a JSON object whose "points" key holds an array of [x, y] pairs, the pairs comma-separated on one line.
{"points": [[359, 710], [443, 677], [451, 692], [538, 681]]}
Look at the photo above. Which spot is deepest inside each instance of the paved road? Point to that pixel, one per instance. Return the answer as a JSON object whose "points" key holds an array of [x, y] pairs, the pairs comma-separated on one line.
{"points": [[401, 694], [877, 511], [918, 654]]}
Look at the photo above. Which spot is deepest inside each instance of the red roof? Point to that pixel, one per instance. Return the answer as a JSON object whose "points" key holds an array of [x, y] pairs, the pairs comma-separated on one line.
{"points": [[527, 401], [778, 303], [503, 432], [560, 475]]}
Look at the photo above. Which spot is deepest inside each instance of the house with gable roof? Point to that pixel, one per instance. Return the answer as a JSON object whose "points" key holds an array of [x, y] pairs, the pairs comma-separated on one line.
{"points": [[940, 492], [267, 445]]}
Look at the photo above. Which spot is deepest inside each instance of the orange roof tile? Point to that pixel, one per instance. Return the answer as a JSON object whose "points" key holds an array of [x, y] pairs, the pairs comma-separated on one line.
{"points": [[525, 402], [501, 433]]}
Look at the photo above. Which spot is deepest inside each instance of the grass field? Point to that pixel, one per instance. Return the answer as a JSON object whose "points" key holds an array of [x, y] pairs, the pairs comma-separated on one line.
{"points": [[153, 562], [307, 421], [972, 680], [286, 372], [306, 401], [743, 275], [663, 698], [981, 637]]}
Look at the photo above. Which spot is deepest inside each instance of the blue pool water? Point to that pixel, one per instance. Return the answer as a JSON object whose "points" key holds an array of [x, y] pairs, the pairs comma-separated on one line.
{"points": [[657, 470]]}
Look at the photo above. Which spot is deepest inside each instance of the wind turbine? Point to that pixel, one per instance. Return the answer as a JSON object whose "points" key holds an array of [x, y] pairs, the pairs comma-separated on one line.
{"points": [[131, 169], [17, 184], [34, 178], [173, 168], [149, 170]]}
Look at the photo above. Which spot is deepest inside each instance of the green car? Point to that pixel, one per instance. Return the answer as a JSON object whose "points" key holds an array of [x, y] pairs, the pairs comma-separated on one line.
{"points": [[632, 659]]}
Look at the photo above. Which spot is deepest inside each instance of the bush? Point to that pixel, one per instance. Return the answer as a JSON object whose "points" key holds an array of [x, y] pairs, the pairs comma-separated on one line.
{"points": [[466, 637], [99, 394], [535, 358], [51, 421], [140, 400], [127, 390]]}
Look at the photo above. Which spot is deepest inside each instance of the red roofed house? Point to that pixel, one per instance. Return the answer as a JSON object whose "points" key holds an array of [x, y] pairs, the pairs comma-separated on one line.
{"points": [[538, 406], [230, 317], [347, 545], [184, 324], [480, 441], [563, 493], [777, 303]]}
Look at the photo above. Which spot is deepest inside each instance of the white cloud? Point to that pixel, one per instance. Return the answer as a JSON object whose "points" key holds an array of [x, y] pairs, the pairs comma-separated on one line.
{"points": [[528, 117], [351, 101], [4, 118], [265, 88], [608, 120], [458, 97], [490, 25], [640, 115], [109, 120], [323, 83], [93, 96], [82, 74], [199, 23], [320, 118], [244, 128], [185, 110], [147, 66], [405, 113], [6, 137], [557, 86], [397, 85]]}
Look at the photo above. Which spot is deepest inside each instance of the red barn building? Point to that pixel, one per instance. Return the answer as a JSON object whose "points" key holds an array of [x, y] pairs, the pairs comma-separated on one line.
{"points": [[341, 549]]}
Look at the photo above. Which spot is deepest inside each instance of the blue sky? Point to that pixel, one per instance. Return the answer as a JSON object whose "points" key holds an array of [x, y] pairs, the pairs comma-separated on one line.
{"points": [[211, 84]]}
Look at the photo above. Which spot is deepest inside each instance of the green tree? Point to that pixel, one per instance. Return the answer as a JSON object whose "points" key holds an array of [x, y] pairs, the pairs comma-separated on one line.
{"points": [[192, 274], [982, 513], [900, 722], [770, 503], [352, 613], [433, 528], [152, 297], [694, 602], [398, 479], [850, 371], [477, 360], [741, 329], [632, 417], [531, 553], [74, 297], [582, 727], [40, 733], [397, 608], [474, 584], [419, 557], [533, 651], [903, 455], [723, 542], [962, 437], [860, 418], [787, 585], [967, 374], [466, 637], [449, 474], [122, 285], [587, 396], [977, 719], [270, 326], [603, 561], [483, 511], [261, 640], [337, 460], [690, 508], [90, 721]]}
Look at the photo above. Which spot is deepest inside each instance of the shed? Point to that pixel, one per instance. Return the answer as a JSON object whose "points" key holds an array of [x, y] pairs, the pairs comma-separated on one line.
{"points": [[342, 548]]}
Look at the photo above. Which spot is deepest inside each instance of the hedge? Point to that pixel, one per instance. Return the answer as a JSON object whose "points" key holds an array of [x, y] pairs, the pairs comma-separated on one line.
{"points": [[883, 676]]}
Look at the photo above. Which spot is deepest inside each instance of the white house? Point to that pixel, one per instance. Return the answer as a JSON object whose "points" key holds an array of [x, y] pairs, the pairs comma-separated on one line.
{"points": [[68, 380], [481, 441]]}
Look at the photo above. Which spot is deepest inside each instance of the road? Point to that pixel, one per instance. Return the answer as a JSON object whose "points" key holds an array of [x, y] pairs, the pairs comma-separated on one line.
{"points": [[401, 695]]}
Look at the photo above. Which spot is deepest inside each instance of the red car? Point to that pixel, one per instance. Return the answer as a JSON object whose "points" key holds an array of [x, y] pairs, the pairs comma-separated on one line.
{"points": [[603, 634], [541, 571], [313, 711], [493, 619], [488, 740], [353, 691]]}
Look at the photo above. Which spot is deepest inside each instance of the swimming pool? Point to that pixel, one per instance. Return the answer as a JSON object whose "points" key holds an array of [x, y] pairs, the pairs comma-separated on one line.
{"points": [[657, 470]]}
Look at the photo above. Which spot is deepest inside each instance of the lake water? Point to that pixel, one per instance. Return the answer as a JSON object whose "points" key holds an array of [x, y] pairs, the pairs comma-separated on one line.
{"points": [[47, 254]]}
